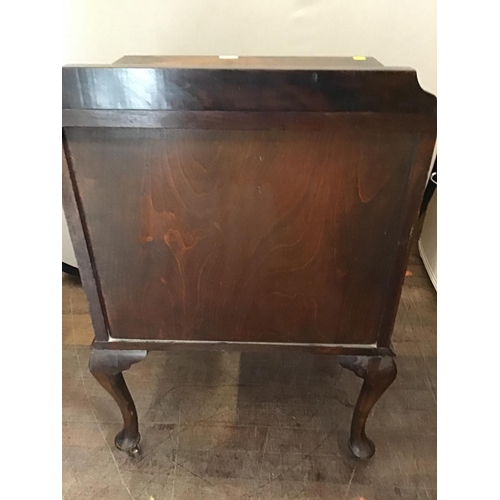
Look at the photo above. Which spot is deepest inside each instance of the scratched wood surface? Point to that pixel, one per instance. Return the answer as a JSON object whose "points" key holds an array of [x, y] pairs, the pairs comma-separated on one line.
{"points": [[275, 235]]}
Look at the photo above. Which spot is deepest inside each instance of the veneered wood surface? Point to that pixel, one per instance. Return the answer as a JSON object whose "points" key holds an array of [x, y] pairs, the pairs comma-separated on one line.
{"points": [[259, 200], [245, 235], [224, 89]]}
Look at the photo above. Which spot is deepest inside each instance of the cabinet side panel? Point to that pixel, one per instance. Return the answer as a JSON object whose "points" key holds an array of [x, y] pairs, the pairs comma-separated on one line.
{"points": [[409, 216], [80, 245]]}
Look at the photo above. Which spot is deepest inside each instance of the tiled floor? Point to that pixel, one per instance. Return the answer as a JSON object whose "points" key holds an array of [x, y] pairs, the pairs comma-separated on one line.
{"points": [[253, 425]]}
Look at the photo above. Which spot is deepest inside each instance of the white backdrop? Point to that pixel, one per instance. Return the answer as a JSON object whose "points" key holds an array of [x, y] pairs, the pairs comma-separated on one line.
{"points": [[396, 32]]}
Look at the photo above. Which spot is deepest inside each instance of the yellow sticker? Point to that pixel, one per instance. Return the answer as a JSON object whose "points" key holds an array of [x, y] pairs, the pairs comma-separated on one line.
{"points": [[359, 58]]}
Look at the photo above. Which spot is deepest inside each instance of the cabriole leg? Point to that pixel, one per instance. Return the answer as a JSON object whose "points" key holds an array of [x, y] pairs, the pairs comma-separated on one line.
{"points": [[378, 373], [107, 366]]}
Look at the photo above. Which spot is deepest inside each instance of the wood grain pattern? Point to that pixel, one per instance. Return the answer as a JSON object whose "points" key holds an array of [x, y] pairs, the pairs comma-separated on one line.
{"points": [[245, 203], [258, 200], [277, 236]]}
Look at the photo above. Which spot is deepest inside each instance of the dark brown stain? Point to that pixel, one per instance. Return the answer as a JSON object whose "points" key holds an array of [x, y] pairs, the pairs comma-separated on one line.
{"points": [[279, 236], [245, 207]]}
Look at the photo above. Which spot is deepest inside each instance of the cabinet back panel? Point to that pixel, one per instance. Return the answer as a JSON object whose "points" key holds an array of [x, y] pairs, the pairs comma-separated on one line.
{"points": [[243, 235]]}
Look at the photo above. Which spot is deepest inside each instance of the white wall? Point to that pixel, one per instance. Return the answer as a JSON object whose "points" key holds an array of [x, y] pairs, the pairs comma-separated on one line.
{"points": [[428, 240], [396, 32], [68, 255]]}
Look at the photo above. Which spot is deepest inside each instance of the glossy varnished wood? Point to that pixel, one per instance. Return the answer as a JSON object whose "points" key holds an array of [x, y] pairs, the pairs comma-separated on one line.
{"points": [[243, 235], [246, 204], [192, 89]]}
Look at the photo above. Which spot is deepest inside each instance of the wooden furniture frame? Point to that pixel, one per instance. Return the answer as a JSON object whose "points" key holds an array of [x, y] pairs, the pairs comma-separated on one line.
{"points": [[250, 203]]}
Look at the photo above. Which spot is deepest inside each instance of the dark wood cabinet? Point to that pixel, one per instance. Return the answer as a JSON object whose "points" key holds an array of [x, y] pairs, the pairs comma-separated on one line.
{"points": [[249, 203]]}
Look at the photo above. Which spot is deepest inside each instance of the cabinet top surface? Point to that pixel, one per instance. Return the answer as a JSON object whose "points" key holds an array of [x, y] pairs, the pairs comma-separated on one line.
{"points": [[251, 63]]}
